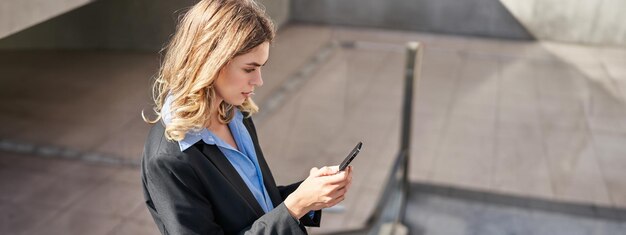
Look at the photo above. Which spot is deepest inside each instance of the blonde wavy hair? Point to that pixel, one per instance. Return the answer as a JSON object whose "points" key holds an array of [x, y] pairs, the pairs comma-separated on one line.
{"points": [[208, 36]]}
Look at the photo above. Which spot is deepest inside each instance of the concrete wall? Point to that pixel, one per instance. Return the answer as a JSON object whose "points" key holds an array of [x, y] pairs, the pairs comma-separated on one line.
{"points": [[466, 17], [116, 24], [278, 10], [593, 22], [16, 15]]}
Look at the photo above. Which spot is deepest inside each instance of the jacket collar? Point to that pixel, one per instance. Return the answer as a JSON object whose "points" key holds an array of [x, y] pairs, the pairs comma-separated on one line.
{"points": [[268, 178], [215, 156], [218, 159]]}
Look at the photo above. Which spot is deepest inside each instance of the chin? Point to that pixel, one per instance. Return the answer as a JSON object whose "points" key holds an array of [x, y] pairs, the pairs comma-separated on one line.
{"points": [[235, 102]]}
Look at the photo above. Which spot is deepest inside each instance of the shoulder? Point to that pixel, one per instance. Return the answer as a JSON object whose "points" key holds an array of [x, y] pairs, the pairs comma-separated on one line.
{"points": [[162, 155]]}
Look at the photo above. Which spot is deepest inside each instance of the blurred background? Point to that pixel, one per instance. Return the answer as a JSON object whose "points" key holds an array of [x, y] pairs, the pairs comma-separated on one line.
{"points": [[518, 116]]}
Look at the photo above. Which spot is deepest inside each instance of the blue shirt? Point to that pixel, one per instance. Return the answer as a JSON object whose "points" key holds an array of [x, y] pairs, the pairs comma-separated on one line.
{"points": [[243, 160]]}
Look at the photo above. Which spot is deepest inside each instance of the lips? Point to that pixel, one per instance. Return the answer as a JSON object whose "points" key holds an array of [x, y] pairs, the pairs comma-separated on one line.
{"points": [[248, 94]]}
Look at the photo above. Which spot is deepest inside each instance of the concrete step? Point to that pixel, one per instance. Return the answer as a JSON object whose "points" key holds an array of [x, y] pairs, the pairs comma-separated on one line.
{"points": [[16, 15]]}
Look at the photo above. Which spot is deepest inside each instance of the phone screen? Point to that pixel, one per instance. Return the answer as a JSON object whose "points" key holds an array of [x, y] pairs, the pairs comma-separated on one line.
{"points": [[351, 156]]}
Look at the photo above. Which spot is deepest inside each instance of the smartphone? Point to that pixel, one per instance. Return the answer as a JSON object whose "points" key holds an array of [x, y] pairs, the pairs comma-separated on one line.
{"points": [[350, 157]]}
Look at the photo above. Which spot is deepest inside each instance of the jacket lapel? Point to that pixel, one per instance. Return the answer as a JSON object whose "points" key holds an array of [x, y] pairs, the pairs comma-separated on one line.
{"points": [[269, 182], [268, 178], [216, 156]]}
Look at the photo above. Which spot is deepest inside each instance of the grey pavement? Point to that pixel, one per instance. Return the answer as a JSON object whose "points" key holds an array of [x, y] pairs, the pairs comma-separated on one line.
{"points": [[452, 211], [536, 120]]}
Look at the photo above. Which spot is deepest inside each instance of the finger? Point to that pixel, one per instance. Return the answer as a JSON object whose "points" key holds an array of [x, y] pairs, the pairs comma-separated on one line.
{"points": [[334, 168], [338, 192], [349, 170], [329, 170], [349, 176], [313, 171], [331, 190], [349, 181], [336, 178], [335, 201], [325, 171], [339, 184]]}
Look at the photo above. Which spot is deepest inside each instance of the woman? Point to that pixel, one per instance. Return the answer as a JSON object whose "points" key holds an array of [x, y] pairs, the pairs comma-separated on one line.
{"points": [[203, 170]]}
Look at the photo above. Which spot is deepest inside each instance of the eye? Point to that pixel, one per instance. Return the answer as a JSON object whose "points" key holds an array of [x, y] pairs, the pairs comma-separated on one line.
{"points": [[249, 70]]}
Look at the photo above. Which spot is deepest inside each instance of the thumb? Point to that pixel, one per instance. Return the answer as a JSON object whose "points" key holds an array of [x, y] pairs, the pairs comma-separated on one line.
{"points": [[328, 170]]}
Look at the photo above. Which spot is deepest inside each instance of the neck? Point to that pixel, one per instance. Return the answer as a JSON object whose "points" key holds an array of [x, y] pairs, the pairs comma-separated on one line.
{"points": [[214, 121]]}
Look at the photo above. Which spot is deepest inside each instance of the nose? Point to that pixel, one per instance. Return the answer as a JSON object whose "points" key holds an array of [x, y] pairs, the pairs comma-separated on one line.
{"points": [[257, 80]]}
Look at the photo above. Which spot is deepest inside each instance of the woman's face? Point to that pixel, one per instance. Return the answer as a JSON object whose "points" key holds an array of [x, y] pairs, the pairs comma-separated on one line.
{"points": [[238, 79]]}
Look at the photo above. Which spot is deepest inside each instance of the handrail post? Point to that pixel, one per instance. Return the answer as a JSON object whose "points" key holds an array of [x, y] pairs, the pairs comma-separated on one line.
{"points": [[391, 207], [412, 73]]}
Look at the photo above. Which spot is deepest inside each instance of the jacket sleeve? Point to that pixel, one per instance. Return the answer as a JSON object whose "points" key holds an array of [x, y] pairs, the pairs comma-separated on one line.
{"points": [[311, 219], [177, 196]]}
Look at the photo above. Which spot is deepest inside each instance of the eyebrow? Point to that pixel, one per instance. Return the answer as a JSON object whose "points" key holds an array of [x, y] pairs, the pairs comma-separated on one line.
{"points": [[256, 64]]}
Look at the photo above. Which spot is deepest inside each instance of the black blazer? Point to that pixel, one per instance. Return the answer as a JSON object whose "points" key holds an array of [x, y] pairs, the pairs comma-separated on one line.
{"points": [[198, 191]]}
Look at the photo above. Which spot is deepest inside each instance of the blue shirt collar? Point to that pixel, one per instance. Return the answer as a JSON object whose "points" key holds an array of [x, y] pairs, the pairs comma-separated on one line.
{"points": [[193, 136]]}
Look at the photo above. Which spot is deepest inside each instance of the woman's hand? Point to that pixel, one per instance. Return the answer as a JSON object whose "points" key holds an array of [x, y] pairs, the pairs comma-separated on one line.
{"points": [[325, 187]]}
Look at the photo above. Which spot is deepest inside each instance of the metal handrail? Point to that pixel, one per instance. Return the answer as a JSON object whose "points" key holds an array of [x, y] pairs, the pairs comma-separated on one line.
{"points": [[391, 207]]}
